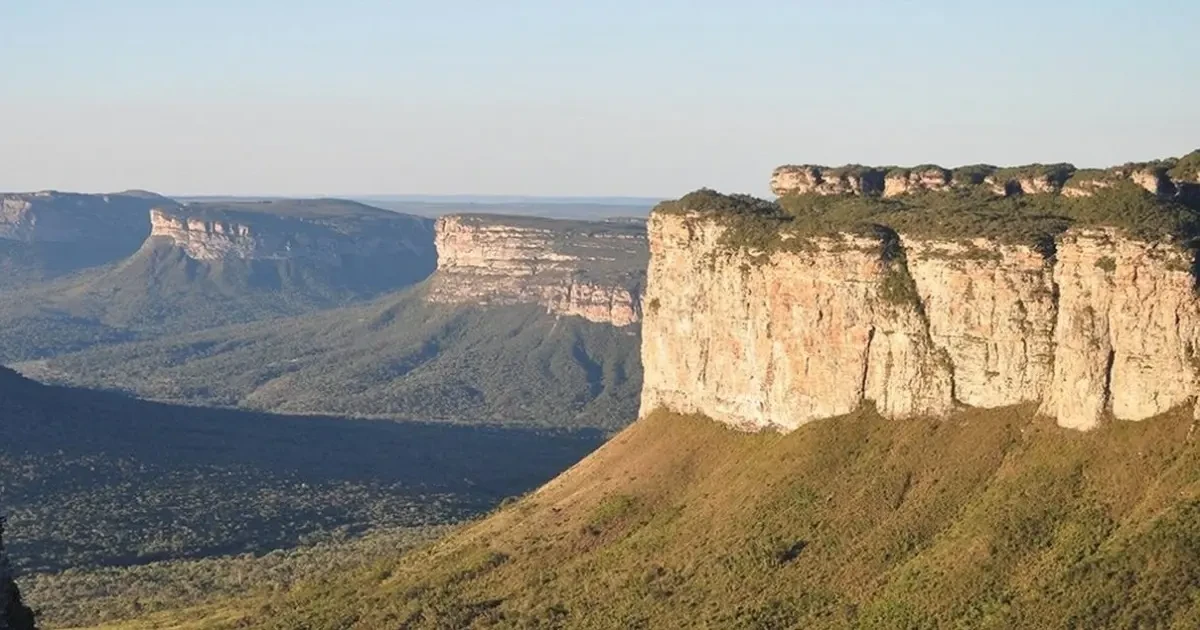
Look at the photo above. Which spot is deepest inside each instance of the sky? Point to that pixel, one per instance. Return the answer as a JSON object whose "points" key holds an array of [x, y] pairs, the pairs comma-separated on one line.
{"points": [[562, 97]]}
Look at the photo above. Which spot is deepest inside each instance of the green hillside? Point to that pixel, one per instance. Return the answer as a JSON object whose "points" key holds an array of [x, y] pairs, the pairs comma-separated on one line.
{"points": [[399, 357], [989, 519], [92, 231], [160, 290]]}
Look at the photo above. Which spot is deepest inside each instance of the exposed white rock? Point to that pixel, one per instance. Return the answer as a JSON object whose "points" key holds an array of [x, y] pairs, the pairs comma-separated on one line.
{"points": [[1108, 325], [1128, 329], [991, 308], [590, 270], [274, 237], [782, 341]]}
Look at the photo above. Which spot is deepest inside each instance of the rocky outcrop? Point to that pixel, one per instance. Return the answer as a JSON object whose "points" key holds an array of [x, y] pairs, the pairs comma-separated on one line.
{"points": [[56, 217], [593, 270], [1172, 178], [907, 181], [917, 326], [261, 232], [824, 180]]}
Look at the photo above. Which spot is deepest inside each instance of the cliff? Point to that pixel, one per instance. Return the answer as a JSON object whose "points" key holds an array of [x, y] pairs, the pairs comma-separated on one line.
{"points": [[57, 217], [1170, 178], [773, 315], [593, 270], [316, 230]]}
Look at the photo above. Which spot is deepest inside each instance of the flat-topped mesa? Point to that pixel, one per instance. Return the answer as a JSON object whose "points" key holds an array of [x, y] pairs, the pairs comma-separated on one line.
{"points": [[58, 217], [317, 230], [593, 270], [771, 315], [1171, 178]]}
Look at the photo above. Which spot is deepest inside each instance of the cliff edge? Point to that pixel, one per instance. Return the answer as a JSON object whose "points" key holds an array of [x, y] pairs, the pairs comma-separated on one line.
{"points": [[591, 269], [322, 230], [771, 315]]}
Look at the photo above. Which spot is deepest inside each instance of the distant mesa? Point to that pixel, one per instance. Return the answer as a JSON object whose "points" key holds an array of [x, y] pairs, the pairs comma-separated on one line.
{"points": [[319, 230], [591, 269], [57, 217]]}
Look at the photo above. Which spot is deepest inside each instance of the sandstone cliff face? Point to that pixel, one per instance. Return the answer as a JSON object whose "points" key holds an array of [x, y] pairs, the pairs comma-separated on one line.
{"points": [[1104, 325], [903, 182], [593, 270], [1126, 332], [54, 217], [823, 180], [212, 235]]}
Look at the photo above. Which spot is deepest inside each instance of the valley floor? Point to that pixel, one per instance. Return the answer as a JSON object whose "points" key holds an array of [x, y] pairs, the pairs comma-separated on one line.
{"points": [[990, 519]]}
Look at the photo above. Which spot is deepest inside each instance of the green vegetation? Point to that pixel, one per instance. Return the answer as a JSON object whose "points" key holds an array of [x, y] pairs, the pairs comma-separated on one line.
{"points": [[898, 286], [158, 289], [1106, 263], [971, 175], [1055, 173], [1187, 168], [14, 614], [106, 229], [325, 209], [1033, 220], [399, 358], [905, 171], [104, 485], [83, 596], [990, 519], [1090, 174]]}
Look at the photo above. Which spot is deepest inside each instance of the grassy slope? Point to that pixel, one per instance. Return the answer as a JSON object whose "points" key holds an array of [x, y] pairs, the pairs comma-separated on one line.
{"points": [[992, 519], [398, 357]]}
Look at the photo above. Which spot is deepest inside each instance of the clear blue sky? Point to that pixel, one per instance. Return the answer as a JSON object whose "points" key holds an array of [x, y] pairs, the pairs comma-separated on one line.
{"points": [[563, 97]]}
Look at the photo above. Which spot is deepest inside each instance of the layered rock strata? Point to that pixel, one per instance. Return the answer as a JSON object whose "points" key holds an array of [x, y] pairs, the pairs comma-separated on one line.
{"points": [[1166, 179], [208, 235], [57, 217], [593, 270], [1102, 325]]}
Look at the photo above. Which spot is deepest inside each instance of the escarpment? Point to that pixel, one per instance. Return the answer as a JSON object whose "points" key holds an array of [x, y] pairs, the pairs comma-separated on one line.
{"points": [[316, 230], [58, 217], [771, 315], [593, 270]]}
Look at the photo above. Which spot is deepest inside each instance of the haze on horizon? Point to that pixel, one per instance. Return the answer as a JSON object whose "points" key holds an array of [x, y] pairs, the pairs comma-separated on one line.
{"points": [[369, 97]]}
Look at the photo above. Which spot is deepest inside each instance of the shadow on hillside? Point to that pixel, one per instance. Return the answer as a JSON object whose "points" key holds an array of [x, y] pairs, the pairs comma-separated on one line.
{"points": [[96, 478]]}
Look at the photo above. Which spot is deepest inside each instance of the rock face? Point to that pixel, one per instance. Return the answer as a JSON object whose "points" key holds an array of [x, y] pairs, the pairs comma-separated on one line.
{"points": [[1173, 178], [247, 232], [824, 180], [915, 326], [47, 235], [907, 181], [70, 217], [54, 217], [1127, 333], [593, 270]]}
